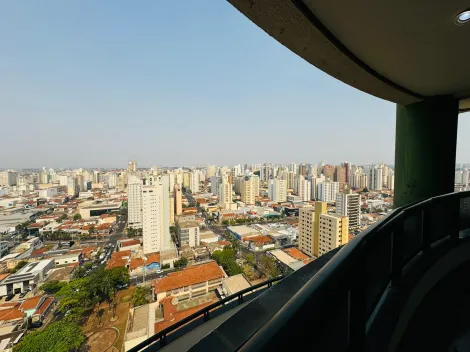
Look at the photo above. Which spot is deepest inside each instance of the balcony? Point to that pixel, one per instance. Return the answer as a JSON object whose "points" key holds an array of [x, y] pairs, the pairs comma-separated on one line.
{"points": [[387, 289]]}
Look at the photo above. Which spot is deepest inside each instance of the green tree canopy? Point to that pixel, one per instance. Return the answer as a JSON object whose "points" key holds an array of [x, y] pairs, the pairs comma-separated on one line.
{"points": [[18, 266], [180, 263], [77, 217], [60, 336], [52, 287], [269, 267], [139, 297], [226, 258]]}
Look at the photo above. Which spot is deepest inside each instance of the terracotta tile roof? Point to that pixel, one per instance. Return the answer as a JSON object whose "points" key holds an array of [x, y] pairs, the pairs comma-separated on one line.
{"points": [[136, 263], [35, 225], [47, 302], [224, 243], [2, 276], [11, 314], [153, 258], [116, 263], [40, 251], [259, 240], [121, 254], [172, 316], [30, 303], [189, 276], [8, 305], [129, 243], [296, 254], [308, 261]]}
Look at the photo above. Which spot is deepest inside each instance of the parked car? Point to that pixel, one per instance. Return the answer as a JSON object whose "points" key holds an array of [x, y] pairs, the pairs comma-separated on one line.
{"points": [[23, 294], [37, 324], [9, 297]]}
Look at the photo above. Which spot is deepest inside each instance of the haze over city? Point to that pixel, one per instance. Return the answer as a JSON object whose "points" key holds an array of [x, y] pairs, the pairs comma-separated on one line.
{"points": [[92, 84]]}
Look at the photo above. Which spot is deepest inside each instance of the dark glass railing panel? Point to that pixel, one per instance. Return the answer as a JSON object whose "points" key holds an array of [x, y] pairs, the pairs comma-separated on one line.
{"points": [[464, 217], [412, 233], [379, 267]]}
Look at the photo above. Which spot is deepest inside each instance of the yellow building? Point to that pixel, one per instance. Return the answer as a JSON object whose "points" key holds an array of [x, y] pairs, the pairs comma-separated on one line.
{"points": [[320, 232], [333, 232], [186, 180]]}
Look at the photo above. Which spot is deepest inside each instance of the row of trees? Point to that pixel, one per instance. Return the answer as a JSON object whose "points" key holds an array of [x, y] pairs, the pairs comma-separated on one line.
{"points": [[226, 258], [241, 221]]}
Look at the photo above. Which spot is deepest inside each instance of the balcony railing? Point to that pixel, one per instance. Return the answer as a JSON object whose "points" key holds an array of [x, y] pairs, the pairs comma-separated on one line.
{"points": [[351, 299], [204, 313]]}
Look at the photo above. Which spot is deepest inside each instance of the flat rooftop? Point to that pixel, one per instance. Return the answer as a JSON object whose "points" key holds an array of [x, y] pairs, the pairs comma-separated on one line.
{"points": [[236, 283], [243, 230]]}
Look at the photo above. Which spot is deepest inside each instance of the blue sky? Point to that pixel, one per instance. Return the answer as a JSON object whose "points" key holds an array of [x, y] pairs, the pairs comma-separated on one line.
{"points": [[96, 83]]}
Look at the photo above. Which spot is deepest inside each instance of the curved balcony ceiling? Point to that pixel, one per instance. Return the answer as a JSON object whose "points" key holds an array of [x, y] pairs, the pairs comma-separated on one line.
{"points": [[401, 51]]}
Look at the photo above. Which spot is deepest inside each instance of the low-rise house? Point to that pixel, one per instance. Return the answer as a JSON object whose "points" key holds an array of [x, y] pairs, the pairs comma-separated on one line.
{"points": [[260, 243], [189, 282], [129, 245], [66, 259], [27, 278], [37, 308]]}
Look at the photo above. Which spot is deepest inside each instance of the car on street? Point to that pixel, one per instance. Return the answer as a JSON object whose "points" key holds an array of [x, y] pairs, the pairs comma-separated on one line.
{"points": [[37, 324], [9, 297], [22, 294]]}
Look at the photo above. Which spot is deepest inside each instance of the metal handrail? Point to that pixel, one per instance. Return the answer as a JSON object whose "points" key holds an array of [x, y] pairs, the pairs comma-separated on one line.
{"points": [[346, 260], [205, 312]]}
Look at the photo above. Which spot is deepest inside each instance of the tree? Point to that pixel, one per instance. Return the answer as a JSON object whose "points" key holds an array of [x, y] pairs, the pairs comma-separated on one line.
{"points": [[60, 336], [226, 258], [139, 297], [91, 230], [18, 266], [365, 190], [166, 266], [181, 263], [52, 287], [269, 267], [77, 217], [250, 258], [131, 232], [225, 222], [62, 218]]}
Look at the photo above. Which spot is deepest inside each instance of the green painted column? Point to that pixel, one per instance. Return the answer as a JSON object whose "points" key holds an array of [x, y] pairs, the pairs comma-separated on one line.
{"points": [[425, 145]]}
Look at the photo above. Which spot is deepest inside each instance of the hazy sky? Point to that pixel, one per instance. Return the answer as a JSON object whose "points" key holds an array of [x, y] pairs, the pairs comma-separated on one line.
{"points": [[96, 83]]}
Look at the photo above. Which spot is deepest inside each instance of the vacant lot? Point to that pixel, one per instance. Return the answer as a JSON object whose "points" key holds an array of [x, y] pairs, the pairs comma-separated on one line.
{"points": [[102, 331]]}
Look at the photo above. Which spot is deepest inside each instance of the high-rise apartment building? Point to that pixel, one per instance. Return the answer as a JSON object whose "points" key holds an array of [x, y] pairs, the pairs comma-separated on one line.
{"points": [[194, 181], [340, 175], [152, 218], [277, 190], [315, 182], [391, 181], [305, 188], [178, 199], [307, 230], [214, 185], [134, 205], [327, 191], [132, 166], [333, 232], [225, 193], [249, 189], [376, 177], [72, 187], [8, 178], [320, 232], [349, 204], [211, 171]]}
